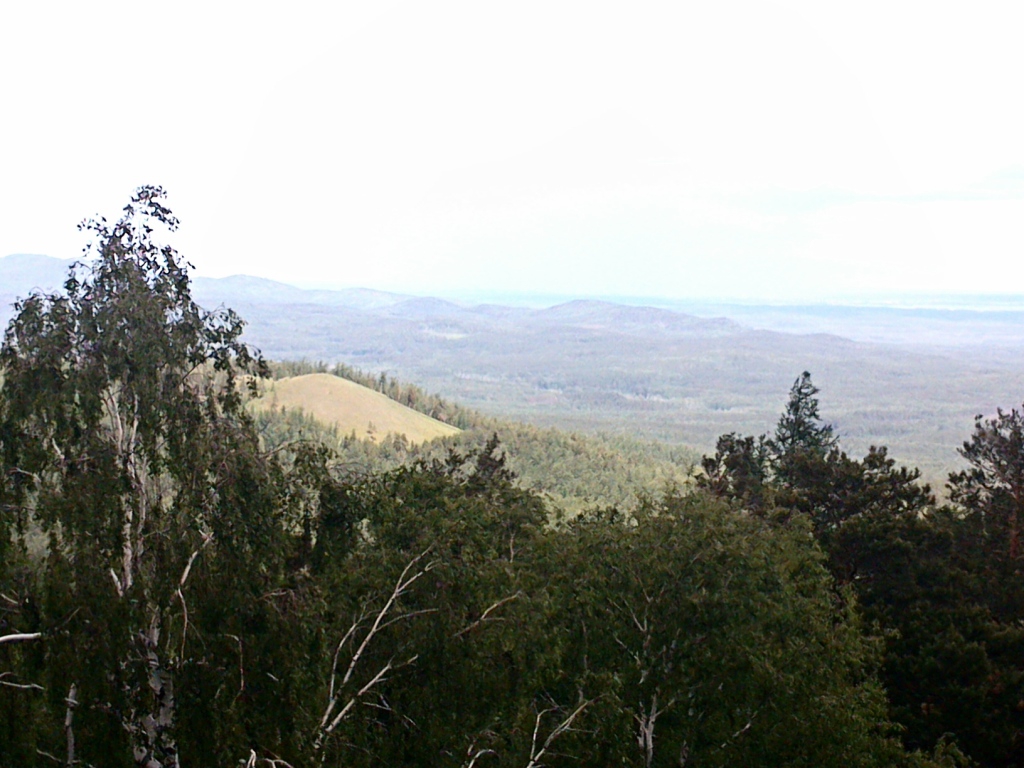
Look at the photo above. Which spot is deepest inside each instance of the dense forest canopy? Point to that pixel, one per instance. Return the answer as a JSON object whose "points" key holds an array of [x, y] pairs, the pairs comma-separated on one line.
{"points": [[571, 470], [179, 588]]}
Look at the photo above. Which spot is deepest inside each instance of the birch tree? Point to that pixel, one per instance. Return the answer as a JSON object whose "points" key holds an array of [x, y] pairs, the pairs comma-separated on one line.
{"points": [[707, 625], [122, 423]]}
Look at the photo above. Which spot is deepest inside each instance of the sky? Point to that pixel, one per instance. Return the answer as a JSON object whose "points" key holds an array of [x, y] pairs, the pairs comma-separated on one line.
{"points": [[781, 151]]}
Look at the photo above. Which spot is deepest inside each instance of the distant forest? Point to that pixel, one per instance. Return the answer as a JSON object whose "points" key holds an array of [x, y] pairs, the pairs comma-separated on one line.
{"points": [[182, 583], [572, 471], [651, 373]]}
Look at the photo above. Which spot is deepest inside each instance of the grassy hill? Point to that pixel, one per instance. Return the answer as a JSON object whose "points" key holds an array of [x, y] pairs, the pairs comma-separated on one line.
{"points": [[574, 471], [591, 367], [351, 408], [645, 372]]}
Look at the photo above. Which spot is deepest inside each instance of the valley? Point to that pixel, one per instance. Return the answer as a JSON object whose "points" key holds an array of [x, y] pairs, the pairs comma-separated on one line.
{"points": [[911, 379]]}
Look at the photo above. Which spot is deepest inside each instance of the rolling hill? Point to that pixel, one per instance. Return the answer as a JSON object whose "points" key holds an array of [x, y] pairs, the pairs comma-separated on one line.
{"points": [[351, 408], [683, 372], [571, 470]]}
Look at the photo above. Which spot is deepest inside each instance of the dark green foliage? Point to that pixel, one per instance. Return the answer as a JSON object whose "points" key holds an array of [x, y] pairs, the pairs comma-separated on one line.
{"points": [[953, 640], [800, 429], [126, 447], [738, 471], [173, 593], [473, 623], [802, 468], [717, 631], [721, 623], [992, 488], [942, 585], [572, 471]]}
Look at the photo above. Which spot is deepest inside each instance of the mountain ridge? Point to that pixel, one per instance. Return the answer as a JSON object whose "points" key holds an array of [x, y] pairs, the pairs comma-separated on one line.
{"points": [[889, 378]]}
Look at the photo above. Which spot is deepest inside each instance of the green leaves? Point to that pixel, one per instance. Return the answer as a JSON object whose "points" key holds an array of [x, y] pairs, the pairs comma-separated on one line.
{"points": [[124, 443], [204, 602], [993, 486], [721, 638], [800, 429]]}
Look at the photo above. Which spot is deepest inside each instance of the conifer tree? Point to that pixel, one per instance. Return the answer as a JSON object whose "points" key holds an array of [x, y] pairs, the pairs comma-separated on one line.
{"points": [[993, 485]]}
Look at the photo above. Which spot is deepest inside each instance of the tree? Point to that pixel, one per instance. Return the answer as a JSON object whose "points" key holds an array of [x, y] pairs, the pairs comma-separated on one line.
{"points": [[946, 600], [993, 486], [445, 559], [800, 427], [749, 470], [707, 629], [125, 443], [739, 471], [173, 594], [801, 467], [802, 445]]}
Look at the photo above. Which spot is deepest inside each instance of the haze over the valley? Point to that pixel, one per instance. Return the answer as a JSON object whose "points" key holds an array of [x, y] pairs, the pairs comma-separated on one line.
{"points": [[844, 185], [683, 372]]}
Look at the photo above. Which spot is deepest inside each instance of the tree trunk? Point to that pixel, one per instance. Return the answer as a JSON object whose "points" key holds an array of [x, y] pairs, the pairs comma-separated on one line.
{"points": [[153, 732], [69, 723]]}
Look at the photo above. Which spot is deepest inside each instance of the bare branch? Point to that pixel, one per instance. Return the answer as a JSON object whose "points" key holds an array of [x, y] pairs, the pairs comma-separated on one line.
{"points": [[407, 615], [20, 637], [484, 617], [241, 667], [646, 723], [117, 583], [564, 726], [401, 587], [474, 756], [26, 473], [334, 665], [19, 686], [329, 721], [380, 677], [22, 686], [207, 538], [741, 731], [69, 719]]}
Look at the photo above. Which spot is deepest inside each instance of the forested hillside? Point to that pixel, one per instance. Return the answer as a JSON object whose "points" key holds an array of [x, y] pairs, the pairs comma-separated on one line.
{"points": [[663, 375], [179, 588], [681, 373], [571, 470]]}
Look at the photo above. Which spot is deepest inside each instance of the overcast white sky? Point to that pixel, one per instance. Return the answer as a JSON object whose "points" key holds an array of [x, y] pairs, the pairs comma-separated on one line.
{"points": [[789, 150]]}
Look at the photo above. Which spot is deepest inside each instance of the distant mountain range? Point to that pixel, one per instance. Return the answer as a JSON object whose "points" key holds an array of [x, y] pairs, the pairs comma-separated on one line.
{"points": [[22, 273], [910, 379], [946, 322]]}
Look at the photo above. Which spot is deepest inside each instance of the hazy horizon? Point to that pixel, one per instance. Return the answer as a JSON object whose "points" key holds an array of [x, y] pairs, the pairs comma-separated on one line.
{"points": [[790, 151], [964, 300]]}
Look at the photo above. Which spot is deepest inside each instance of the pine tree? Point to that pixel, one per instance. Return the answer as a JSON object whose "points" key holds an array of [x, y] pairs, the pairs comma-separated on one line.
{"points": [[993, 486], [800, 431]]}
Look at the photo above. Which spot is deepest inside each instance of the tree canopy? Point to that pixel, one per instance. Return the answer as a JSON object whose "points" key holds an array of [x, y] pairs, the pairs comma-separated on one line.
{"points": [[174, 591]]}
